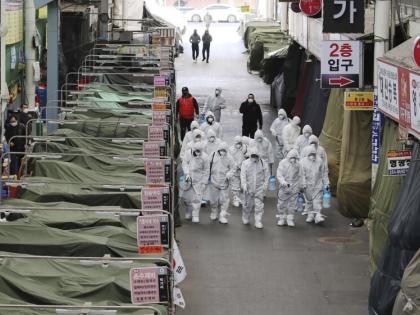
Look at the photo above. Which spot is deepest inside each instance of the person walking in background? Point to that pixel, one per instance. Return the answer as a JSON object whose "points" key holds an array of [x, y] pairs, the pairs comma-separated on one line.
{"points": [[207, 19], [15, 133], [215, 103], [206, 39], [195, 42], [186, 109], [251, 116]]}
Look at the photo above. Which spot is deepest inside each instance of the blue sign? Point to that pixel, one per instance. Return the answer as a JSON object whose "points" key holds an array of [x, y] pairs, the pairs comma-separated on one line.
{"points": [[376, 131]]}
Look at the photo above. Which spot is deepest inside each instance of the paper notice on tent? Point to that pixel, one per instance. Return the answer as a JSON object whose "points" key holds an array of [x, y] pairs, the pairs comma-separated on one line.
{"points": [[160, 93], [156, 107], [388, 89], [153, 198], [341, 65], [158, 171], [156, 133], [152, 233], [160, 80], [159, 118], [398, 162], [153, 149], [149, 285], [355, 100]]}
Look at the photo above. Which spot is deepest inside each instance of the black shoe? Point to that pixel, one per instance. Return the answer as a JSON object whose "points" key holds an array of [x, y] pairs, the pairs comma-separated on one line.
{"points": [[207, 61], [203, 59]]}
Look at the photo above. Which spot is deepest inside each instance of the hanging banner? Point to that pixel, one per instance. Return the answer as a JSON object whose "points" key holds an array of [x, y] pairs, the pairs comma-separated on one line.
{"points": [[388, 89], [355, 100], [153, 198], [180, 272], [376, 131], [398, 162], [341, 65], [343, 16], [149, 285]]}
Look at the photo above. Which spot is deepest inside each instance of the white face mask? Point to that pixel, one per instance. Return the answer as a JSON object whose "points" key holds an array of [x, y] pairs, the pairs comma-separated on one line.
{"points": [[210, 120], [217, 93], [238, 145], [197, 153], [25, 110], [197, 139], [292, 160], [259, 140], [307, 134], [13, 124], [212, 139], [250, 100], [222, 153], [311, 157], [281, 116]]}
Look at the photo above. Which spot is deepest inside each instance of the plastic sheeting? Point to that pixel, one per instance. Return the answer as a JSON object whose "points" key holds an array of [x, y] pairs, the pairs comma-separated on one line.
{"points": [[354, 182], [332, 133], [408, 299], [384, 195], [404, 241], [277, 91]]}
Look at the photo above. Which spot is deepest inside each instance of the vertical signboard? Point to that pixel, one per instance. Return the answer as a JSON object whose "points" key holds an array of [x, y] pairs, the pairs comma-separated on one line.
{"points": [[376, 130], [388, 89], [343, 16], [341, 64], [404, 97], [415, 102]]}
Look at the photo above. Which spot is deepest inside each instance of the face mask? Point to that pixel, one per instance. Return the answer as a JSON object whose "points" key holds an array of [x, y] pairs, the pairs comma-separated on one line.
{"points": [[293, 160], [307, 134], [259, 140], [222, 153], [217, 93], [311, 157], [250, 100], [196, 153], [210, 120], [238, 145], [26, 110], [314, 144], [211, 139], [281, 117], [13, 124], [197, 139]]}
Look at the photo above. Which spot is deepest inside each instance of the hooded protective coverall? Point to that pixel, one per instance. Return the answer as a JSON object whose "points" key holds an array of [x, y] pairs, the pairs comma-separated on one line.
{"points": [[303, 140], [263, 146], [221, 171], [197, 136], [320, 151], [277, 131], [210, 123], [237, 151], [212, 142], [189, 135], [290, 133], [196, 169], [316, 178], [215, 103], [254, 181], [291, 181]]}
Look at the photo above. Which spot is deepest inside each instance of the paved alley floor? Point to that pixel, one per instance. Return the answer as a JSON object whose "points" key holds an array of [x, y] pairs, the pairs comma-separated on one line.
{"points": [[238, 270]]}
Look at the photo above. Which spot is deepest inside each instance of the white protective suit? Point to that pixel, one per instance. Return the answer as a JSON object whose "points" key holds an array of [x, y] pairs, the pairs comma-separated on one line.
{"points": [[320, 151], [189, 135], [291, 181], [277, 131], [303, 140], [263, 146], [212, 142], [316, 179], [197, 136], [196, 169], [290, 133], [215, 103], [237, 151], [222, 168], [210, 123], [254, 181]]}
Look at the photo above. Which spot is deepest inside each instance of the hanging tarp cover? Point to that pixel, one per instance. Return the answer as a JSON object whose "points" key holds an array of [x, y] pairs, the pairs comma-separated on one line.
{"points": [[404, 241], [409, 295], [277, 91], [384, 195], [354, 182], [332, 133], [316, 100]]}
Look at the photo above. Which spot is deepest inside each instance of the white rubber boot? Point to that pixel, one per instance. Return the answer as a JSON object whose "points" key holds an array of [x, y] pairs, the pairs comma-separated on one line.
{"points": [[223, 217], [319, 218], [281, 220], [245, 218], [213, 214], [310, 217], [291, 220], [258, 224]]}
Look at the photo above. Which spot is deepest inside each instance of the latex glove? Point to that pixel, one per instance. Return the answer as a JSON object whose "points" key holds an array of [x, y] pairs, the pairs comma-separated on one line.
{"points": [[265, 186], [327, 187], [283, 183]]}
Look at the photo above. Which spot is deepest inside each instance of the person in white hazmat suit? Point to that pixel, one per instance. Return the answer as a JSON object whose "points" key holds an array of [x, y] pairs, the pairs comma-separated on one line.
{"points": [[320, 151], [196, 169], [215, 103], [197, 136], [210, 123], [212, 142], [303, 140], [291, 181], [189, 135], [238, 151], [222, 168], [264, 147], [290, 134], [254, 181], [315, 179], [277, 131]]}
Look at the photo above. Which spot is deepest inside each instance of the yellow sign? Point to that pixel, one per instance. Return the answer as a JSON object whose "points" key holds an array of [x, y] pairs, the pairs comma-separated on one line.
{"points": [[355, 100]]}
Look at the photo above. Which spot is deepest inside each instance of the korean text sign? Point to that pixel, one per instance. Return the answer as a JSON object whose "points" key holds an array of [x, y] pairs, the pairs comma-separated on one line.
{"points": [[149, 285], [343, 16]]}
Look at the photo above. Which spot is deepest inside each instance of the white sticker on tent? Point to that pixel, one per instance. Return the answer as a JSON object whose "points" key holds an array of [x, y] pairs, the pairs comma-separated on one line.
{"points": [[398, 162]]}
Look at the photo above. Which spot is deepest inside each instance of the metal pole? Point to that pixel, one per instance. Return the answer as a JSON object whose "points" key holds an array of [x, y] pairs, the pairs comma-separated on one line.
{"points": [[392, 33], [3, 85], [30, 31]]}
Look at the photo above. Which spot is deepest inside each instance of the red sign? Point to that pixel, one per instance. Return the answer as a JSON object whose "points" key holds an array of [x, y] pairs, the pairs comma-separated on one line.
{"points": [[416, 51], [310, 7], [404, 97], [341, 81]]}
